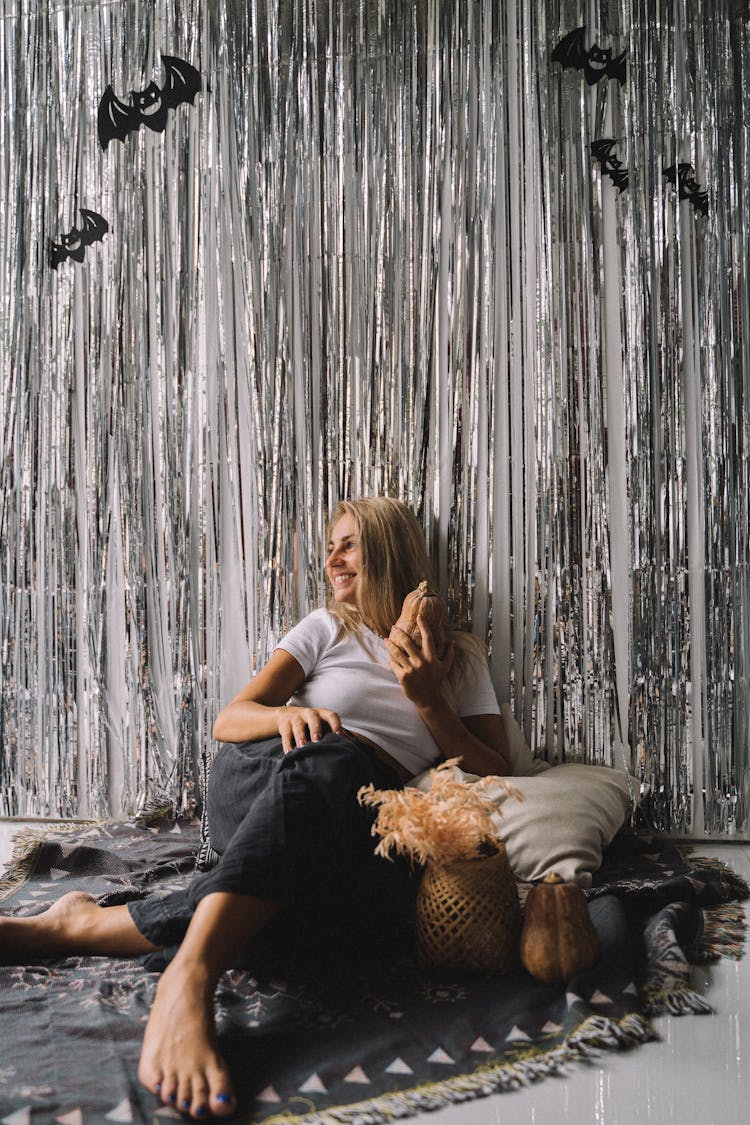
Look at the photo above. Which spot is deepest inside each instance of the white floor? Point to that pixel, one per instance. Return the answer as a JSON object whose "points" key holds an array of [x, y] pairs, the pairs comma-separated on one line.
{"points": [[698, 1074]]}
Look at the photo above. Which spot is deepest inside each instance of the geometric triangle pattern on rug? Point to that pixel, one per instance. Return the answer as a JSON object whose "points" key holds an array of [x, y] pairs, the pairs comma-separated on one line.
{"points": [[366, 1042], [20, 1117], [121, 1113]]}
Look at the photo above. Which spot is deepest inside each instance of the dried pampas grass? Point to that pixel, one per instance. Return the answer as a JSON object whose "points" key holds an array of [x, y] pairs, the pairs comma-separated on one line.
{"points": [[451, 821]]}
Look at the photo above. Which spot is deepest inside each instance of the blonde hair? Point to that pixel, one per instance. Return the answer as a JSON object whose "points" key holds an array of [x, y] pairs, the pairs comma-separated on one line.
{"points": [[394, 561]]}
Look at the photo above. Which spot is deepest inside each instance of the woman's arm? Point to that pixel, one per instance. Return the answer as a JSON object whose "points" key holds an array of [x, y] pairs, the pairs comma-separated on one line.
{"points": [[478, 740], [259, 710]]}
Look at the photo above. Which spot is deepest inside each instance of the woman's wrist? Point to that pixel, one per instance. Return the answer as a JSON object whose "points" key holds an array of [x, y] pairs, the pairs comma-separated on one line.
{"points": [[456, 740], [246, 721], [435, 709]]}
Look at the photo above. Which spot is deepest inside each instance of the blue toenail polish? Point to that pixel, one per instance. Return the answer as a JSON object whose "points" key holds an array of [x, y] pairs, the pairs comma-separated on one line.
{"points": [[200, 1111], [185, 1104], [224, 1098]]}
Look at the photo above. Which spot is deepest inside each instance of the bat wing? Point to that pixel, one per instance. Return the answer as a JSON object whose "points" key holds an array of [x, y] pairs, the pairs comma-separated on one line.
{"points": [[601, 149], [58, 254], [182, 83], [115, 118], [700, 202], [688, 187], [619, 176], [677, 172], [570, 51], [611, 166], [94, 228], [617, 68]]}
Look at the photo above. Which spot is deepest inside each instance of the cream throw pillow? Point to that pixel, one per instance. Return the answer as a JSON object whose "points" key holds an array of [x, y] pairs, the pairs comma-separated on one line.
{"points": [[568, 814]]}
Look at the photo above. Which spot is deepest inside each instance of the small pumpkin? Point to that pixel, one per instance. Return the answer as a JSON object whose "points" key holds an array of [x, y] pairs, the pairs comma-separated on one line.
{"points": [[427, 602], [558, 938]]}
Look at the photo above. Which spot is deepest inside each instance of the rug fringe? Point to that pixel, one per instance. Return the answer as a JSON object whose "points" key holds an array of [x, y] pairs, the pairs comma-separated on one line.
{"points": [[595, 1035], [736, 885], [724, 933], [676, 1002], [26, 845], [725, 925], [154, 808]]}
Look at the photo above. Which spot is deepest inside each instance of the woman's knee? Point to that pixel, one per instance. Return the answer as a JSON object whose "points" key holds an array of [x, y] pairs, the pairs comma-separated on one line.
{"points": [[239, 772]]}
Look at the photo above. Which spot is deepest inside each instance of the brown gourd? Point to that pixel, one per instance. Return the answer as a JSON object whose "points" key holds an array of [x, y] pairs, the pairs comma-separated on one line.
{"points": [[425, 601], [558, 938]]}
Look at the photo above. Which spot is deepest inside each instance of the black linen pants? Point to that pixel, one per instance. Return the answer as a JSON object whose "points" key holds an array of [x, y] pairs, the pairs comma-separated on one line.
{"points": [[289, 829]]}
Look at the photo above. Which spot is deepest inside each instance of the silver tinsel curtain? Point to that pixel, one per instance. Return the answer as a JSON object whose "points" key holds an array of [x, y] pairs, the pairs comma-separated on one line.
{"points": [[448, 251]]}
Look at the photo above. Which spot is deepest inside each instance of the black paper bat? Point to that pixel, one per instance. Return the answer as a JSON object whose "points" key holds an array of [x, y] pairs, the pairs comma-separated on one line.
{"points": [[596, 62], [148, 107], [683, 177], [610, 164], [73, 244]]}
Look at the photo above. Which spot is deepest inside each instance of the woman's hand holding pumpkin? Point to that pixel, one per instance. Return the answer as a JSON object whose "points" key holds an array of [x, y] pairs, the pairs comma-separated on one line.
{"points": [[416, 666]]}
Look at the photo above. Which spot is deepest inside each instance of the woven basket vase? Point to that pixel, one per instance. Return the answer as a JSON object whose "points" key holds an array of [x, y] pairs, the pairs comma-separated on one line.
{"points": [[468, 915]]}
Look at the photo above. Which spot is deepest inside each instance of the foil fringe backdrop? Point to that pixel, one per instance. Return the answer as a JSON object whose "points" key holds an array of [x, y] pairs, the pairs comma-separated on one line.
{"points": [[376, 254]]}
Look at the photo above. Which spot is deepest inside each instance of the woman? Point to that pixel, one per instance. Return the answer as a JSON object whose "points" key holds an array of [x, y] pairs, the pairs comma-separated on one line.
{"points": [[347, 698]]}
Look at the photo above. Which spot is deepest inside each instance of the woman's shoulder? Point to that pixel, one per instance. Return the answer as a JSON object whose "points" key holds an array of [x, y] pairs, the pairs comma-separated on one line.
{"points": [[331, 632], [471, 651], [317, 618], [318, 622], [310, 638], [471, 678]]}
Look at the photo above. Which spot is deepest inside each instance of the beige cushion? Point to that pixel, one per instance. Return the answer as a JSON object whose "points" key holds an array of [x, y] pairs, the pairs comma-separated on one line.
{"points": [[568, 815]]}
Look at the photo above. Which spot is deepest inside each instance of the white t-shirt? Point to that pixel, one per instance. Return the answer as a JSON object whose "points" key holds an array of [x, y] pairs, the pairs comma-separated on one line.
{"points": [[348, 673]]}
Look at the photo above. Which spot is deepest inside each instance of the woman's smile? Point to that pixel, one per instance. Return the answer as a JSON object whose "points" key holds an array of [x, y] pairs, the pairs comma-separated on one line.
{"points": [[344, 561]]}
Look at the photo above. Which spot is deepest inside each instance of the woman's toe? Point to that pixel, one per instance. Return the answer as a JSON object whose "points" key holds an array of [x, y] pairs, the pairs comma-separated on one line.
{"points": [[222, 1100], [184, 1098], [151, 1079], [169, 1089], [223, 1104], [199, 1101]]}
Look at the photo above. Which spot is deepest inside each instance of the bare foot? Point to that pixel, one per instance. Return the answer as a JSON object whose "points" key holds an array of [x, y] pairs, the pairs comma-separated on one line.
{"points": [[50, 932], [73, 924], [180, 1060]]}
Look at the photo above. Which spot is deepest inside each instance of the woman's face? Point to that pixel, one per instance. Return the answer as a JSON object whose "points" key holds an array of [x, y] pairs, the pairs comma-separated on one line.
{"points": [[344, 561]]}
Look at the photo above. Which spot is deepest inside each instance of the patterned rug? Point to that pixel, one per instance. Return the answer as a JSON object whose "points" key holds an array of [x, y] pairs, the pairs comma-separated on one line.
{"points": [[363, 1044]]}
